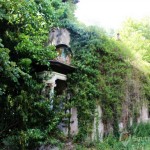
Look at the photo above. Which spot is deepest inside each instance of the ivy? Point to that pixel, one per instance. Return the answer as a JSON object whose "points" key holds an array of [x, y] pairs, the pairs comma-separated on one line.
{"points": [[103, 67], [100, 76], [26, 118]]}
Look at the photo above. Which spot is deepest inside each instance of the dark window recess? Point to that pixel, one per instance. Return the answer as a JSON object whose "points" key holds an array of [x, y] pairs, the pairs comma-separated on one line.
{"points": [[60, 87]]}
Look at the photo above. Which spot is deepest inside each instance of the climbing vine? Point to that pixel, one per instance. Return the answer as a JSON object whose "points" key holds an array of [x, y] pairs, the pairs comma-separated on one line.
{"points": [[101, 73], [103, 66], [26, 118]]}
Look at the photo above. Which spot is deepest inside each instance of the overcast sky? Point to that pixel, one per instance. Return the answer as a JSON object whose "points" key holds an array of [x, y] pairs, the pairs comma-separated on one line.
{"points": [[111, 13]]}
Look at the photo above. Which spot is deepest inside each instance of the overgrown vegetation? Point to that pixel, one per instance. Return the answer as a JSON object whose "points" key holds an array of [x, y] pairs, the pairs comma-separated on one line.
{"points": [[103, 70], [26, 118], [104, 65], [138, 139]]}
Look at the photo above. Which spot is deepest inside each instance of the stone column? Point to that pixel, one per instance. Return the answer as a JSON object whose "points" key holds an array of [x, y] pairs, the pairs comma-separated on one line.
{"points": [[74, 121], [52, 85], [98, 126]]}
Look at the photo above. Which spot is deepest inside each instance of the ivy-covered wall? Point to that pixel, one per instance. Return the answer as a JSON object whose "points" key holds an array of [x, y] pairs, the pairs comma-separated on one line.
{"points": [[104, 77], [104, 71]]}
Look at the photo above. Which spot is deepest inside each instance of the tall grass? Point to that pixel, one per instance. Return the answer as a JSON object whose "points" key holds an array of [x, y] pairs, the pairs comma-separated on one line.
{"points": [[138, 140], [140, 130]]}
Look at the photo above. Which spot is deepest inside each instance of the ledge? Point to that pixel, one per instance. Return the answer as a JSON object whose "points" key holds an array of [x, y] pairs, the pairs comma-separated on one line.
{"points": [[61, 67]]}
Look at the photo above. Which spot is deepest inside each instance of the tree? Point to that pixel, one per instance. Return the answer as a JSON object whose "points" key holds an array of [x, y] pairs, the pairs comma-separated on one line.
{"points": [[25, 120], [135, 35]]}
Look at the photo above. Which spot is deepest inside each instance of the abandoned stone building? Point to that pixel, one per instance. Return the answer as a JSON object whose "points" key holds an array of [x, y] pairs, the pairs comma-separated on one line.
{"points": [[56, 79], [56, 82]]}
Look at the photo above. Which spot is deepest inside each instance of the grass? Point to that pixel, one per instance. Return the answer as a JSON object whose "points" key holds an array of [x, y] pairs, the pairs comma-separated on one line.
{"points": [[138, 140]]}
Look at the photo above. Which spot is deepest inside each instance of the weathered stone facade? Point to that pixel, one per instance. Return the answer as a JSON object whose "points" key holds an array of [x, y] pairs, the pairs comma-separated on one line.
{"points": [[56, 80], [59, 36], [133, 100]]}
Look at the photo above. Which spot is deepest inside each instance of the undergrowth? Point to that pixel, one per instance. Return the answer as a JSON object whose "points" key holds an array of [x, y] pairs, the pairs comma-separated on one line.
{"points": [[139, 139]]}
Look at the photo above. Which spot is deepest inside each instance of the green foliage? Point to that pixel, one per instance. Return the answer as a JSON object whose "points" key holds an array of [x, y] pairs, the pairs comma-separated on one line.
{"points": [[139, 139], [101, 73], [103, 64], [140, 130], [26, 118], [135, 35], [146, 87], [111, 143]]}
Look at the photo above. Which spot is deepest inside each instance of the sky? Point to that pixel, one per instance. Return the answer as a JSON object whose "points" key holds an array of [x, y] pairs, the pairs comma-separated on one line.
{"points": [[111, 13]]}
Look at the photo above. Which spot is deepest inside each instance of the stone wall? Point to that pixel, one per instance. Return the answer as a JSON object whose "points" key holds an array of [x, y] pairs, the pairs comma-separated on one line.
{"points": [[134, 109], [59, 36]]}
